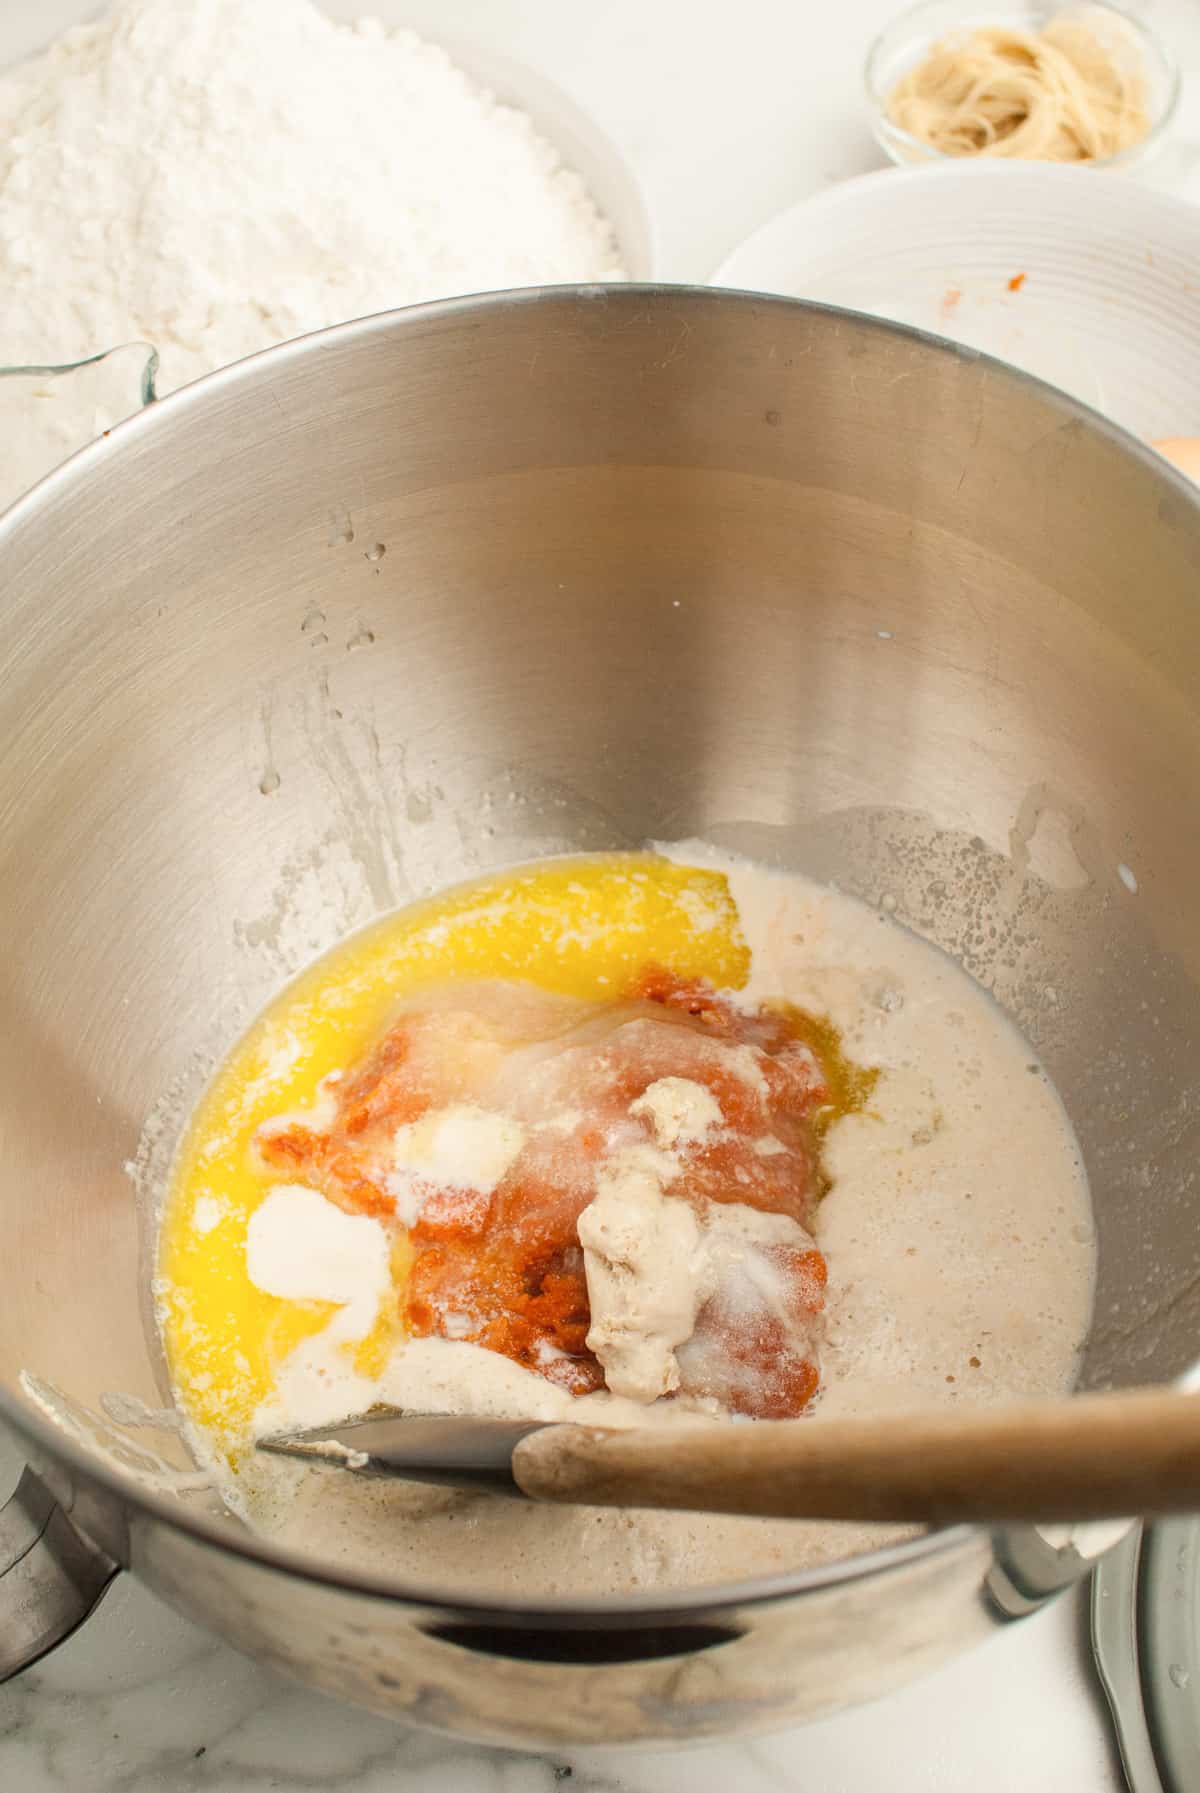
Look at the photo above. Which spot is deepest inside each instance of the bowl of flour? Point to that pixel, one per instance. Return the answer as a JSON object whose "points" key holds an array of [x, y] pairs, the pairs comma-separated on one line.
{"points": [[212, 178]]}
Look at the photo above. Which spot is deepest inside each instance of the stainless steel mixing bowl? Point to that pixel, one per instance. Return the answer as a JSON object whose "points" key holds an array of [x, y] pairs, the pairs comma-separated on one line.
{"points": [[443, 590]]}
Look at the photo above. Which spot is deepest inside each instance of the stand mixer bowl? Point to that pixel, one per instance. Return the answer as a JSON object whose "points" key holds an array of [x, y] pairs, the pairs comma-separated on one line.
{"points": [[447, 589]]}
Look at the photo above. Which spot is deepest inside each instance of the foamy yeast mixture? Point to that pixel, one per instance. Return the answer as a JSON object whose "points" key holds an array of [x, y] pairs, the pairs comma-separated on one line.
{"points": [[957, 1229]]}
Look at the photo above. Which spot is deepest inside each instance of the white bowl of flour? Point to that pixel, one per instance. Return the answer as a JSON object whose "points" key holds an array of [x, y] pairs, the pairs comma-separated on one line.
{"points": [[213, 178]]}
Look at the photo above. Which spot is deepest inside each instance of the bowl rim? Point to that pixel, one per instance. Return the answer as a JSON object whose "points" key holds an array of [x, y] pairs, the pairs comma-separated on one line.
{"points": [[892, 137], [212, 1531]]}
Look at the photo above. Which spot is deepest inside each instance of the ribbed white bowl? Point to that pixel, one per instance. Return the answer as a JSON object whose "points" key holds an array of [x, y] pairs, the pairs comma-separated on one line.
{"points": [[1108, 307]]}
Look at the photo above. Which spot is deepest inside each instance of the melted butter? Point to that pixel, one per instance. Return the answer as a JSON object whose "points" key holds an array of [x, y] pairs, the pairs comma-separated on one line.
{"points": [[580, 927], [850, 1084]]}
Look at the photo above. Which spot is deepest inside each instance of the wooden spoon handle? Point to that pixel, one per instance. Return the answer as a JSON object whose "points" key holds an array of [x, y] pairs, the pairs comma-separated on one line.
{"points": [[1102, 1456]]}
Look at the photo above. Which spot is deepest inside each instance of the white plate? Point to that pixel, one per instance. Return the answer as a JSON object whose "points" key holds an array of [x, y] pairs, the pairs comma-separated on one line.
{"points": [[1083, 278]]}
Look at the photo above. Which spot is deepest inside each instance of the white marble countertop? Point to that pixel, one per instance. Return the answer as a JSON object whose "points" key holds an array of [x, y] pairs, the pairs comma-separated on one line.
{"points": [[142, 1701], [728, 114]]}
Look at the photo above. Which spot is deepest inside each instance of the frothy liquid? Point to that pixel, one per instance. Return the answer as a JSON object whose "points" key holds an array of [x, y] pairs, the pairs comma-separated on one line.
{"points": [[957, 1229]]}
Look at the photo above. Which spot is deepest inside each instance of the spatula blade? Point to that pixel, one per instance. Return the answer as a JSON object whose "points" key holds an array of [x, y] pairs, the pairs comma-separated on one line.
{"points": [[447, 1450]]}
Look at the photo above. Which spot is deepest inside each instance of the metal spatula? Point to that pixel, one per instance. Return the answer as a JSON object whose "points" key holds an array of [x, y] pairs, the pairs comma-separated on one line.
{"points": [[1089, 1457]]}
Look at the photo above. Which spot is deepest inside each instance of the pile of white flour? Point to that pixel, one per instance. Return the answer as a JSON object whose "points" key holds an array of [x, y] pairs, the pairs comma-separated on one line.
{"points": [[214, 176]]}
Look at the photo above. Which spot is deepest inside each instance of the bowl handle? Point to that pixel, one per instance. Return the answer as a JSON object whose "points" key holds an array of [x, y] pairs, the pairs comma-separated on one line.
{"points": [[51, 1577], [1033, 1563]]}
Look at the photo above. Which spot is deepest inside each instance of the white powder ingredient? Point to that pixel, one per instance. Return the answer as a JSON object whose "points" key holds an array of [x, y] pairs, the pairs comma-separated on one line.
{"points": [[214, 177], [459, 1147], [301, 1247], [680, 1110], [739, 1268], [207, 1214]]}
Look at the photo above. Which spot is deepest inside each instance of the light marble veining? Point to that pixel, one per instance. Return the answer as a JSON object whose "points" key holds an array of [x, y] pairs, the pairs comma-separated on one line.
{"points": [[143, 1702], [729, 115]]}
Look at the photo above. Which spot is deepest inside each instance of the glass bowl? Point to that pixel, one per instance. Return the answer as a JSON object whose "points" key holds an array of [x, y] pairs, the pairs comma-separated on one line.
{"points": [[910, 36], [47, 413]]}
